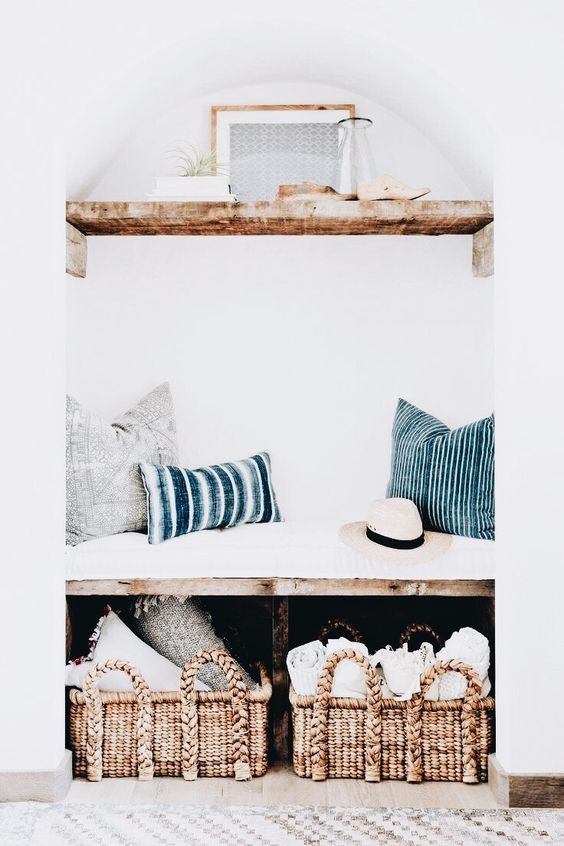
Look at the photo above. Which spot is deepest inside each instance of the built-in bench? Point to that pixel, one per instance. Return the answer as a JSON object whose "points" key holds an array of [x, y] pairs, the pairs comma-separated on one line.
{"points": [[276, 560]]}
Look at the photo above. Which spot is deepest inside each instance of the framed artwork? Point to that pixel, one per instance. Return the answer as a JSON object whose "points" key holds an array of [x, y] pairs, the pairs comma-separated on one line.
{"points": [[262, 147]]}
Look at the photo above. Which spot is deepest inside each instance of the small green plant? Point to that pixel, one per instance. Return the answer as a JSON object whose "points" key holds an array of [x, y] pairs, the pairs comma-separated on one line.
{"points": [[193, 162]]}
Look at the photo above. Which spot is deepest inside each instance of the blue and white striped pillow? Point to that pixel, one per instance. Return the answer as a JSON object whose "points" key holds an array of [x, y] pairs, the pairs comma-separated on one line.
{"points": [[216, 497], [449, 474]]}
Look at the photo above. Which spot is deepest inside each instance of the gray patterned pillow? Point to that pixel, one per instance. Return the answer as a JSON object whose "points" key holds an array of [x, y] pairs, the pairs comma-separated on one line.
{"points": [[178, 627], [105, 493]]}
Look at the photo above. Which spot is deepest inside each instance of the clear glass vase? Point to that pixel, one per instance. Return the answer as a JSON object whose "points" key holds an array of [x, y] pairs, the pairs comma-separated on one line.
{"points": [[355, 162]]}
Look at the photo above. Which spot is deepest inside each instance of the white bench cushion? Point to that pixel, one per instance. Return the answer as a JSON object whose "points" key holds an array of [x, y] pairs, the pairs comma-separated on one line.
{"points": [[267, 550]]}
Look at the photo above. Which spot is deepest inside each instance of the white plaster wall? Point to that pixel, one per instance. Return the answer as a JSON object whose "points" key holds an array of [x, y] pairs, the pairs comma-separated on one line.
{"points": [[415, 60], [447, 70], [529, 399], [399, 147], [32, 418], [298, 345]]}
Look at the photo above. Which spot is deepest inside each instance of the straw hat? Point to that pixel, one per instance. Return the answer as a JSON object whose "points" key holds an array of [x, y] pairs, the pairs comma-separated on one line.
{"points": [[394, 532]]}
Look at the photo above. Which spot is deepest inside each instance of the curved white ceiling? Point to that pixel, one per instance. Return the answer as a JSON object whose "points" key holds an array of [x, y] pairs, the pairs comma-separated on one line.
{"points": [[218, 57]]}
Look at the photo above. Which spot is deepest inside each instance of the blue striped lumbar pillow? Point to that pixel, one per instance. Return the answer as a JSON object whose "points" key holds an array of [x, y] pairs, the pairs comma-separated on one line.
{"points": [[449, 474], [216, 497]]}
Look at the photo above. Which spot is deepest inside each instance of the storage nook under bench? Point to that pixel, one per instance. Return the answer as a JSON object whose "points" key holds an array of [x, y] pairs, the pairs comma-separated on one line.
{"points": [[274, 610]]}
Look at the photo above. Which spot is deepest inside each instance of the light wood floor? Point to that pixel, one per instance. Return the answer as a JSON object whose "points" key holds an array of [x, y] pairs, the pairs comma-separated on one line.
{"points": [[281, 787]]}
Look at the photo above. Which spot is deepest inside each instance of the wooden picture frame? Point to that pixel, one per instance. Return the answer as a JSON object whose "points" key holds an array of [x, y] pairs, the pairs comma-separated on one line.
{"points": [[231, 133], [216, 110]]}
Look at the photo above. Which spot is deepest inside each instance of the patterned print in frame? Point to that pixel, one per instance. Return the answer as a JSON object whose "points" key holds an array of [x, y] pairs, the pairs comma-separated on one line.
{"points": [[263, 147], [264, 156]]}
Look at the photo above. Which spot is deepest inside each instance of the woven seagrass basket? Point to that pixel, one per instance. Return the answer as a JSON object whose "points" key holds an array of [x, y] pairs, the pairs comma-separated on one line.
{"points": [[185, 733], [339, 627], [375, 738]]}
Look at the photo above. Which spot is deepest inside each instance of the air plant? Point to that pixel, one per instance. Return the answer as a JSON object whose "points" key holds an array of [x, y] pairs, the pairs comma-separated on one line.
{"points": [[193, 162]]}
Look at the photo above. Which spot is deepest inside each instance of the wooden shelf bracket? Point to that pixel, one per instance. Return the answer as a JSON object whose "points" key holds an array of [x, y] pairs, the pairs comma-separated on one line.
{"points": [[76, 252], [483, 251]]}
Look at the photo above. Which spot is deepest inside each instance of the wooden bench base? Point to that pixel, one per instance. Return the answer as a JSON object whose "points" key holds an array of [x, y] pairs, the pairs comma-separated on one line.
{"points": [[280, 587], [281, 591]]}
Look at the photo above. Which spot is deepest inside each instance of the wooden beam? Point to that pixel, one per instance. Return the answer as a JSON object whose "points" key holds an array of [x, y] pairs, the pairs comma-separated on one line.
{"points": [[76, 252], [280, 682], [280, 587], [525, 790], [68, 633], [306, 217], [483, 251]]}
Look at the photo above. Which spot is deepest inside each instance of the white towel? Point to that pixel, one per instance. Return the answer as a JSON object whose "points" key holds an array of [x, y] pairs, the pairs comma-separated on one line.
{"points": [[386, 692], [453, 686], [402, 669], [472, 648], [304, 665], [349, 679]]}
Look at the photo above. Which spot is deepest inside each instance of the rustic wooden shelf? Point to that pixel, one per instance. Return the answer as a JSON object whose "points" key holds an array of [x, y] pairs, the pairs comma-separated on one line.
{"points": [[282, 217], [304, 217], [280, 587]]}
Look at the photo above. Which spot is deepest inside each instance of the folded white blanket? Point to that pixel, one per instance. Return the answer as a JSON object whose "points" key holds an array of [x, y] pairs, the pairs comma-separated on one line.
{"points": [[304, 665], [472, 648], [402, 669], [350, 678]]}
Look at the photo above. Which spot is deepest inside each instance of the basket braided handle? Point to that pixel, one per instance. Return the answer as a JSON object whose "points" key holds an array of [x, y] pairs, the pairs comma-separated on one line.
{"points": [[373, 724], [418, 628], [337, 624], [189, 713], [95, 721], [468, 720]]}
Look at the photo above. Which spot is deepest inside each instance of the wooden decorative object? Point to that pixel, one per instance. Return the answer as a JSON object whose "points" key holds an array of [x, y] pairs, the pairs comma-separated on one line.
{"points": [[310, 191], [388, 188]]}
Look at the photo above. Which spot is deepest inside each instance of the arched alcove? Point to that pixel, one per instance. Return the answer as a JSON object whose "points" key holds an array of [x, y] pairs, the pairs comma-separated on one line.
{"points": [[343, 302], [226, 57]]}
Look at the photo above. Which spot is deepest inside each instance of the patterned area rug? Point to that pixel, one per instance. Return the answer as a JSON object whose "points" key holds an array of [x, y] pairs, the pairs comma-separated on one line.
{"points": [[34, 824]]}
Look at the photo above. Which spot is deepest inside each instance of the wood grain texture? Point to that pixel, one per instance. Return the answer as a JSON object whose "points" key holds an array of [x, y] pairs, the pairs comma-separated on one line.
{"points": [[279, 705], [68, 633], [76, 252], [281, 787], [524, 790], [309, 217], [483, 251], [310, 191], [279, 587], [271, 107]]}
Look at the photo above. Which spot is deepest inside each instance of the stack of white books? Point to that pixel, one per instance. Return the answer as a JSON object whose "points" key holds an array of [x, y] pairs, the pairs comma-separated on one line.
{"points": [[208, 189]]}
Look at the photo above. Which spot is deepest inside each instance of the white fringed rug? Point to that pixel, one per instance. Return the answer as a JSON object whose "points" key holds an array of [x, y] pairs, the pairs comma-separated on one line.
{"points": [[34, 824]]}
